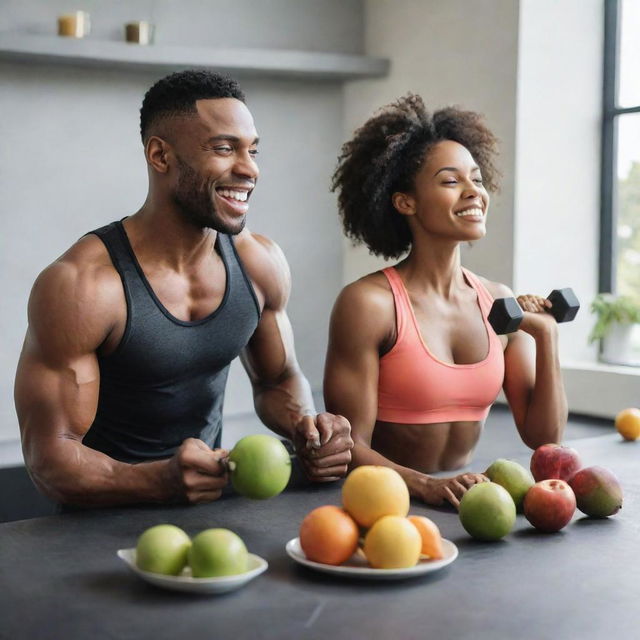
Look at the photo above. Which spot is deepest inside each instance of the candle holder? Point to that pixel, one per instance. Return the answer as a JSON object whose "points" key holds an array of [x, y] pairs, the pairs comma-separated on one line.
{"points": [[139, 32], [74, 25]]}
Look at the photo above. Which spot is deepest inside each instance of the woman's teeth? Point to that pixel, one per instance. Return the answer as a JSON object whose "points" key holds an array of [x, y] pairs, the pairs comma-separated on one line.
{"points": [[470, 212]]}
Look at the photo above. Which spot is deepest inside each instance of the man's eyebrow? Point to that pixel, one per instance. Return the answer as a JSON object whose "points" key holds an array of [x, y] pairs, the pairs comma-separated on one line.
{"points": [[474, 168], [229, 138]]}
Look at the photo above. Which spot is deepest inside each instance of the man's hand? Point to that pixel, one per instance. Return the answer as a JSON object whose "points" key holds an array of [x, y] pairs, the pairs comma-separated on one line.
{"points": [[197, 473], [437, 491], [323, 445]]}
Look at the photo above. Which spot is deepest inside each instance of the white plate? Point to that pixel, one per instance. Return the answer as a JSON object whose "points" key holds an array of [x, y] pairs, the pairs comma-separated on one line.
{"points": [[357, 566], [185, 582]]}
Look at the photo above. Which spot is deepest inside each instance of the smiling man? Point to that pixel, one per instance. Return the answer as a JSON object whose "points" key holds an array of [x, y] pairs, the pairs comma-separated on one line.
{"points": [[121, 381]]}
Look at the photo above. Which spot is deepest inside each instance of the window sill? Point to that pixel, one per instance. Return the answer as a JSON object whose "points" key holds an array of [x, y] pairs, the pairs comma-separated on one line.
{"points": [[597, 389], [601, 367]]}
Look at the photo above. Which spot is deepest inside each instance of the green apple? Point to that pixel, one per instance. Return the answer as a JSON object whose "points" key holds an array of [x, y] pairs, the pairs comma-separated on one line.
{"points": [[487, 511], [163, 549], [513, 477], [217, 552], [260, 466]]}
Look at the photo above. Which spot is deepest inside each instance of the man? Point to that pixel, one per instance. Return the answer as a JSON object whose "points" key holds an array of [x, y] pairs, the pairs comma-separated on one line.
{"points": [[120, 384]]}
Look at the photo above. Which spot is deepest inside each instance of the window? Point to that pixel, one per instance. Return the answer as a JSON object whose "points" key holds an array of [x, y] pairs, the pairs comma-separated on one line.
{"points": [[620, 223]]}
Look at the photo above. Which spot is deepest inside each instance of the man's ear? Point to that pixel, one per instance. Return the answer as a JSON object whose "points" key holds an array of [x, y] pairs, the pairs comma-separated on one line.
{"points": [[404, 203], [156, 151]]}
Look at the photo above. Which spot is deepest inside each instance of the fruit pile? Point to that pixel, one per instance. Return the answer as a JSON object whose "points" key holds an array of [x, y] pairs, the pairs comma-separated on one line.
{"points": [[548, 495], [375, 504], [168, 550]]}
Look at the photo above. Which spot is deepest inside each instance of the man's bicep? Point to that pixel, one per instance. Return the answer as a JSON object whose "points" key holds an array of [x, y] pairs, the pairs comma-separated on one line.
{"points": [[57, 381], [55, 401], [270, 354]]}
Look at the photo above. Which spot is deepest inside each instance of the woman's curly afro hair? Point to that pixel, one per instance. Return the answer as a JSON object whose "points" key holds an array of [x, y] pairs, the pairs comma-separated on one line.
{"points": [[384, 156]]}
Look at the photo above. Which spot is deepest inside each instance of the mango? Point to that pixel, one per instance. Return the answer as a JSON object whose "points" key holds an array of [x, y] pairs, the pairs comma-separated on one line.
{"points": [[598, 492]]}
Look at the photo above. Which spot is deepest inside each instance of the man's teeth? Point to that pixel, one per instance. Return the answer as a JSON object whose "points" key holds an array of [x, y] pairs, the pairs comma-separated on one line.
{"points": [[470, 212], [235, 195]]}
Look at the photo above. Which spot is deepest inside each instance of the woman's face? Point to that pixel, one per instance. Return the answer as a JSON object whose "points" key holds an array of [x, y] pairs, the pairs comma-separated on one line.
{"points": [[448, 199]]}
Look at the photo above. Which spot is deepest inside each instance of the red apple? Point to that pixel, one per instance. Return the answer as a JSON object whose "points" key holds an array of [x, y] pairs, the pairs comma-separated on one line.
{"points": [[554, 461], [549, 505], [598, 492]]}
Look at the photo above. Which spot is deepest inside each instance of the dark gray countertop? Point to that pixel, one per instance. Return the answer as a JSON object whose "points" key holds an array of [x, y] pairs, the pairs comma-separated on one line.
{"points": [[60, 577]]}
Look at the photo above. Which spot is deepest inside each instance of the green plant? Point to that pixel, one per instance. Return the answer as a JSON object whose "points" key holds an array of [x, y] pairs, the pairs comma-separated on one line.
{"points": [[610, 309]]}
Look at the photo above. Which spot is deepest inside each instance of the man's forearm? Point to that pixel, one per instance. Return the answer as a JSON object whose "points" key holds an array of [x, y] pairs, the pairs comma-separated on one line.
{"points": [[281, 406], [73, 474]]}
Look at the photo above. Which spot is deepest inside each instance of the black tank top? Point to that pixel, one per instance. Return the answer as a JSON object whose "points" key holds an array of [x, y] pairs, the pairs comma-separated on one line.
{"points": [[166, 379]]}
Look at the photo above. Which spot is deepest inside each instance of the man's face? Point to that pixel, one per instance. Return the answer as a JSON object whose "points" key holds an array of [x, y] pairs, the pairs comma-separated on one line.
{"points": [[216, 169]]}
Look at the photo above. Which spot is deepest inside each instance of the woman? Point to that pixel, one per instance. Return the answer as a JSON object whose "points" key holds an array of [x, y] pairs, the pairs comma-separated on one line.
{"points": [[413, 363]]}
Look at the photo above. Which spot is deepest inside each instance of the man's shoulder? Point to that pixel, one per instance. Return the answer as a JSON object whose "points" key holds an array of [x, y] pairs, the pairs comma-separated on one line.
{"points": [[84, 273], [87, 258], [255, 247], [266, 266], [75, 302]]}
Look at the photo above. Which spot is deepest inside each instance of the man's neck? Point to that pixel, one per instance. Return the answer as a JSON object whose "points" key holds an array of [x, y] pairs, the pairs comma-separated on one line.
{"points": [[164, 236]]}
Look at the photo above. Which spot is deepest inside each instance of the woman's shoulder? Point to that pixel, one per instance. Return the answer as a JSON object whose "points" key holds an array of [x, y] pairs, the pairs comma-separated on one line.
{"points": [[371, 292], [366, 303], [495, 289]]}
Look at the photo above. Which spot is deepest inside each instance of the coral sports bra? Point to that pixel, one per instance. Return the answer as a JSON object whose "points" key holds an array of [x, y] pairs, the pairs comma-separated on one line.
{"points": [[414, 387]]}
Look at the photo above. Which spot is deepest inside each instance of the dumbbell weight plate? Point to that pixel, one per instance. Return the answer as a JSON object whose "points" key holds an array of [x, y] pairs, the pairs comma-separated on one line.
{"points": [[505, 315], [565, 304]]}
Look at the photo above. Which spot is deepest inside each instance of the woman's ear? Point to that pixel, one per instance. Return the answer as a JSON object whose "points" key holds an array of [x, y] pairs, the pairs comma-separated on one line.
{"points": [[404, 203]]}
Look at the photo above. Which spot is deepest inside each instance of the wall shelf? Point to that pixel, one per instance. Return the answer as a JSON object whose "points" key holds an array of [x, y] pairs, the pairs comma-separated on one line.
{"points": [[86, 52]]}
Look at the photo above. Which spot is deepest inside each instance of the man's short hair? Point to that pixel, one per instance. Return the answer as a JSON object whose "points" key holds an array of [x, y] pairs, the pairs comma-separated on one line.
{"points": [[176, 95]]}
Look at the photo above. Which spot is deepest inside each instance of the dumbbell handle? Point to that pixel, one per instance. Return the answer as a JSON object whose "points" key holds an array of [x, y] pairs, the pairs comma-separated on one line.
{"points": [[506, 314]]}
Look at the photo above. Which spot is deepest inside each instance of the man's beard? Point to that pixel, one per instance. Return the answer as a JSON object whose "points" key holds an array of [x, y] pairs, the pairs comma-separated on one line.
{"points": [[195, 202]]}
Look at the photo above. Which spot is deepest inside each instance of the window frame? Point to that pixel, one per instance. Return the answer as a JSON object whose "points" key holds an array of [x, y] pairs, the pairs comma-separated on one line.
{"points": [[610, 114]]}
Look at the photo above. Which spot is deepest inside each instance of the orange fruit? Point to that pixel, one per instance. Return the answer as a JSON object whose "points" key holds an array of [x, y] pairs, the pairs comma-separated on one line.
{"points": [[430, 534], [372, 491], [392, 543], [628, 424], [329, 535]]}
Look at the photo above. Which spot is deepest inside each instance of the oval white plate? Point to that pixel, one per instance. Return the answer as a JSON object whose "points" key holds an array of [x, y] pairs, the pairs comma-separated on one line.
{"points": [[185, 582], [357, 566]]}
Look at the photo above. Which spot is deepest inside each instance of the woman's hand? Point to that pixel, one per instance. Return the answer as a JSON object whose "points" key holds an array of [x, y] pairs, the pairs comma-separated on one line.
{"points": [[535, 317], [437, 491]]}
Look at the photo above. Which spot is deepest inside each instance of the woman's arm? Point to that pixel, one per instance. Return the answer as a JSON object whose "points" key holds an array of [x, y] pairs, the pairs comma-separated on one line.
{"points": [[533, 380]]}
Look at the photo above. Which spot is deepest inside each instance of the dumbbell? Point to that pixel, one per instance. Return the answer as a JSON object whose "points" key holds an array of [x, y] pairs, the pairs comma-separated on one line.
{"points": [[506, 315]]}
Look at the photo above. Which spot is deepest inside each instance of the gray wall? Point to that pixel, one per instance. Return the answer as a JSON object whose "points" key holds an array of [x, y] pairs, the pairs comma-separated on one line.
{"points": [[534, 68], [449, 53], [71, 160], [558, 146]]}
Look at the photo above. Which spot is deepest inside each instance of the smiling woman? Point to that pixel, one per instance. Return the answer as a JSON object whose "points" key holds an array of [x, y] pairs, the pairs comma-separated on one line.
{"points": [[413, 362]]}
